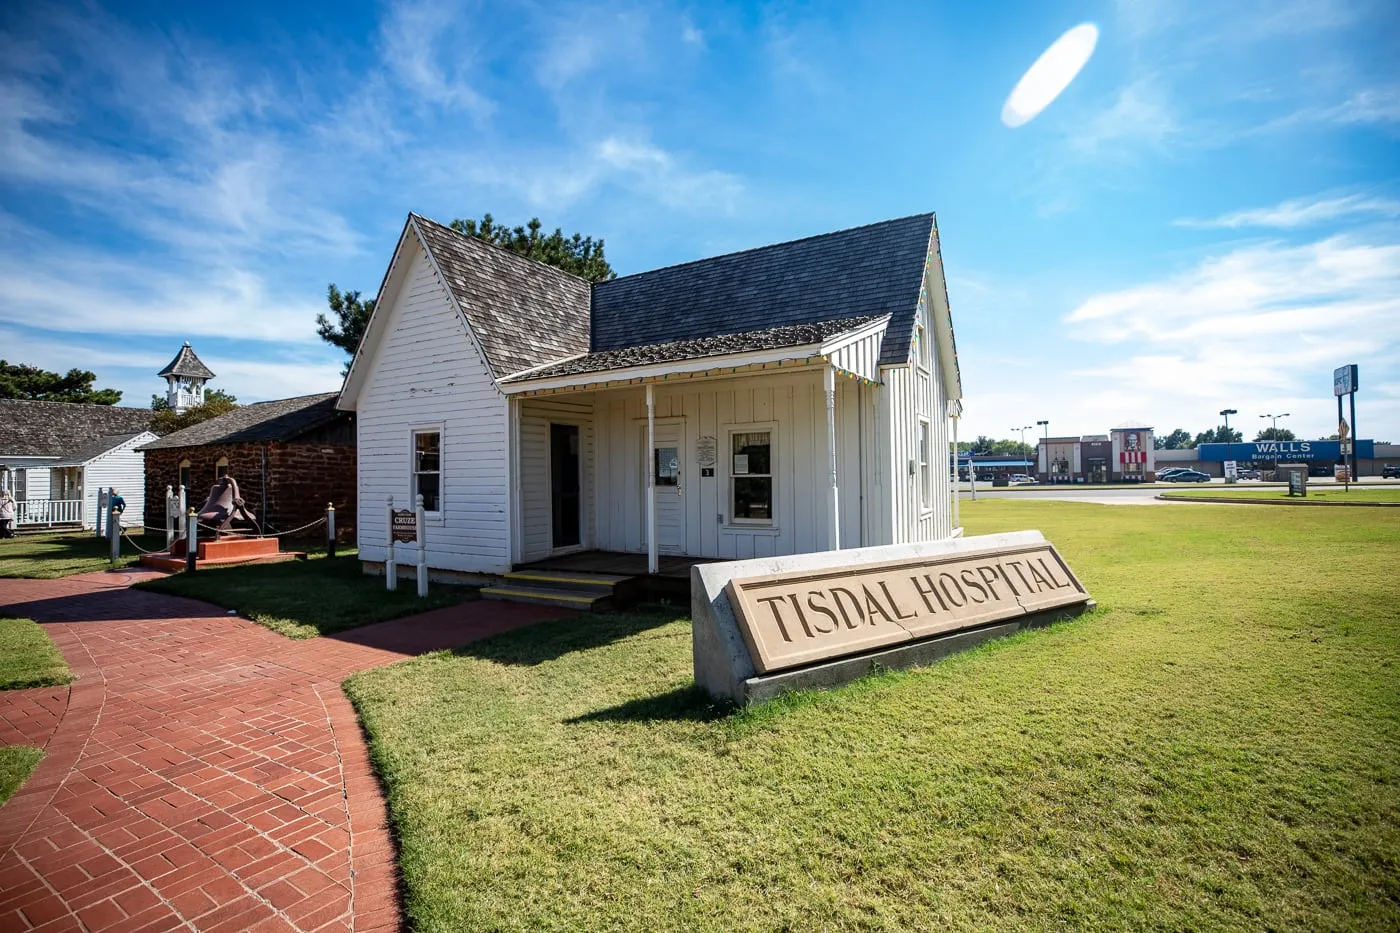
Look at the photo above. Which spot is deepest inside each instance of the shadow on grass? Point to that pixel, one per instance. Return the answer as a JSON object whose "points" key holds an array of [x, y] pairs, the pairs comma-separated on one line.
{"points": [[547, 641], [683, 704], [51, 556]]}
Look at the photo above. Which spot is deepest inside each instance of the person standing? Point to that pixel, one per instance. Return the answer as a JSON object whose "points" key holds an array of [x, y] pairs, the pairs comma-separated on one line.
{"points": [[8, 512]]}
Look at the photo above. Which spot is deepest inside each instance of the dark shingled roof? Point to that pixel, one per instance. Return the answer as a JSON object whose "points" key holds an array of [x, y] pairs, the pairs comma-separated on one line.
{"points": [[863, 272], [773, 338], [186, 364], [523, 312], [279, 420], [55, 429]]}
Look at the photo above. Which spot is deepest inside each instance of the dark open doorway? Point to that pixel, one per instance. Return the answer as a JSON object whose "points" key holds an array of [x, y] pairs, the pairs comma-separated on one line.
{"points": [[564, 484]]}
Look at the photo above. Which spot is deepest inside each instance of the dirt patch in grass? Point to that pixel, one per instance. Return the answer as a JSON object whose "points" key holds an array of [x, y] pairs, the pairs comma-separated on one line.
{"points": [[303, 599], [1216, 747], [28, 657]]}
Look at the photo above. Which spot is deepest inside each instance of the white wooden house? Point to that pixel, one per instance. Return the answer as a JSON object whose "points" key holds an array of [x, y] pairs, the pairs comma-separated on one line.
{"points": [[55, 456], [780, 400]]}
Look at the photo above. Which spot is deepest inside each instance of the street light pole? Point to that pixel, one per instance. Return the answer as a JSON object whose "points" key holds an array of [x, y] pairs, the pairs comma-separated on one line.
{"points": [[1274, 420], [1227, 412], [1046, 425], [1023, 431]]}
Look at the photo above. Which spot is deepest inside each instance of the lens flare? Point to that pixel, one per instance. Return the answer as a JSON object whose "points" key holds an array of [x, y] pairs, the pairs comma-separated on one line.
{"points": [[1050, 75]]}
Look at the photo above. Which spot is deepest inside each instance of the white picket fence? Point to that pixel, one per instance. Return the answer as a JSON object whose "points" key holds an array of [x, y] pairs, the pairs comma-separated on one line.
{"points": [[50, 512]]}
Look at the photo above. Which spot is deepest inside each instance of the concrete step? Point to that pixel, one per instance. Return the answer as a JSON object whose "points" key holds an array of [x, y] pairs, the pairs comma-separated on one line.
{"points": [[600, 584], [545, 596]]}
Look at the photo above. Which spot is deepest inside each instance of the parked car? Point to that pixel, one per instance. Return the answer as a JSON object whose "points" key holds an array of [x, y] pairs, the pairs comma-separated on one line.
{"points": [[1188, 476], [1164, 476], [1021, 479], [1391, 471], [1247, 474]]}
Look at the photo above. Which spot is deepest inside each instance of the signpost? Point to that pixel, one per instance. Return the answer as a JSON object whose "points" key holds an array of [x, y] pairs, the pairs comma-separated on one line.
{"points": [[1345, 381], [406, 526], [1298, 483], [1232, 471]]}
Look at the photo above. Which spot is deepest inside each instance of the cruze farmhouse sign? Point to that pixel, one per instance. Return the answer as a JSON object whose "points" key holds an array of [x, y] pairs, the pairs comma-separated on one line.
{"points": [[794, 619]]}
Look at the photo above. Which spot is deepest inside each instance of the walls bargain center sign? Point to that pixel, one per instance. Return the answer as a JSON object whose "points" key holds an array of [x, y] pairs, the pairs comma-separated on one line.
{"points": [[1296, 451]]}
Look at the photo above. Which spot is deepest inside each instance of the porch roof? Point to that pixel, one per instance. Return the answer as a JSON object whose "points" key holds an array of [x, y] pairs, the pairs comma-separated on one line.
{"points": [[626, 360]]}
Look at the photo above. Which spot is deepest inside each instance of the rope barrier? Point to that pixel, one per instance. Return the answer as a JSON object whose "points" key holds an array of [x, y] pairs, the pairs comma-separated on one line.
{"points": [[132, 541]]}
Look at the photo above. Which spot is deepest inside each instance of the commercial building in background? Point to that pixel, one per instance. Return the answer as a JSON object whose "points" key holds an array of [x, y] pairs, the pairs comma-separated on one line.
{"points": [[1320, 456], [1123, 455]]}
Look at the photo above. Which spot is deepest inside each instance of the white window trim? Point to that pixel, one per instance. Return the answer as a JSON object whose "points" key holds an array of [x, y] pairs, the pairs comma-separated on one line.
{"points": [[925, 467], [756, 525], [924, 357], [439, 516]]}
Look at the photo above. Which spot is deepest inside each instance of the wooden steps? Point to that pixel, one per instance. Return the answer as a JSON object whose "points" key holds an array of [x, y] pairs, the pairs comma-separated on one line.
{"points": [[586, 592]]}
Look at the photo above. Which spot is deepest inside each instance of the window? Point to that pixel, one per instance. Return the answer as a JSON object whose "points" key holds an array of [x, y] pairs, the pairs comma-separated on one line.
{"points": [[667, 466], [751, 477], [925, 467], [185, 474], [221, 469], [427, 469], [920, 347]]}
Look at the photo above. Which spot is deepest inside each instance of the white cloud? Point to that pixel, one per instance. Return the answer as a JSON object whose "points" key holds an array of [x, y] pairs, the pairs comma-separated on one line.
{"points": [[1140, 115], [1301, 212], [427, 48]]}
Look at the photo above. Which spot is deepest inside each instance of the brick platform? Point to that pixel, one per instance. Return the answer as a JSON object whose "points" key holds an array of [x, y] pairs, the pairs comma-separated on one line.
{"points": [[206, 774]]}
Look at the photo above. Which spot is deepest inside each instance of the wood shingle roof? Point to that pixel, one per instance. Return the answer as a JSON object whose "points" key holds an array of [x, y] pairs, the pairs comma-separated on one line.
{"points": [[187, 364], [58, 429], [278, 420]]}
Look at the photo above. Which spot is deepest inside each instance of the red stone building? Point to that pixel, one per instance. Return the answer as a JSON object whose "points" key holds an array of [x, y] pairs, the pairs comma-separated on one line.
{"points": [[290, 457]]}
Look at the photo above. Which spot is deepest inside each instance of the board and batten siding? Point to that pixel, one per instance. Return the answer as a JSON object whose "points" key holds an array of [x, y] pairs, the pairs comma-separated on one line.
{"points": [[914, 394], [123, 468], [537, 501], [429, 374], [793, 407]]}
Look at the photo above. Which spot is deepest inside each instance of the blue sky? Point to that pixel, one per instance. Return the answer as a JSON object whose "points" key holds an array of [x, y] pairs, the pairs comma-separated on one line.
{"points": [[1208, 217]]}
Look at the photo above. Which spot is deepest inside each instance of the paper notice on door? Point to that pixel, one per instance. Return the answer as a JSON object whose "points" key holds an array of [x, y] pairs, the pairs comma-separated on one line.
{"points": [[741, 464]]}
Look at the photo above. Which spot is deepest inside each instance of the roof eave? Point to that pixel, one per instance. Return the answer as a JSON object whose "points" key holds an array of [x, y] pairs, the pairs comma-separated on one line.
{"points": [[655, 371]]}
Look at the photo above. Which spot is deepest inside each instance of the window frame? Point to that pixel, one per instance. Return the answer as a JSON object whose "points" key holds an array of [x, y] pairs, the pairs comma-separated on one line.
{"points": [[184, 476], [922, 357], [414, 431], [751, 524], [924, 458], [220, 464]]}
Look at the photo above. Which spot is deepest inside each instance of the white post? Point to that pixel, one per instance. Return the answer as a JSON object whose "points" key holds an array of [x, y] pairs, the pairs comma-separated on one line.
{"points": [[114, 533], [191, 540], [169, 518], [330, 529], [391, 567], [833, 516], [101, 510], [184, 500], [422, 547], [650, 467], [957, 492]]}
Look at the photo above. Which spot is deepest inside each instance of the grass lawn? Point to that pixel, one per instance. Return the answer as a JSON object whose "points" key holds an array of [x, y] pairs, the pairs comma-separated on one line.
{"points": [[303, 599], [1216, 747], [28, 657], [1321, 493], [16, 764], [45, 557]]}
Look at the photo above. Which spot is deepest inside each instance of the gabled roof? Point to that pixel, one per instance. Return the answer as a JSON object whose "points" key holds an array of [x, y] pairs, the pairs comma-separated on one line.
{"points": [[96, 448], [524, 313], [280, 420], [56, 429], [772, 338], [186, 364], [862, 272]]}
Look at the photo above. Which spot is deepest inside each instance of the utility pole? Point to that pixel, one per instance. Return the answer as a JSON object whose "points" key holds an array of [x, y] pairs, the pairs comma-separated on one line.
{"points": [[1227, 412]]}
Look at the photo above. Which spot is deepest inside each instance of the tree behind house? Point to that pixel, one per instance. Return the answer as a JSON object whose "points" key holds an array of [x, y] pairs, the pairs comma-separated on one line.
{"points": [[216, 402], [30, 383], [580, 255]]}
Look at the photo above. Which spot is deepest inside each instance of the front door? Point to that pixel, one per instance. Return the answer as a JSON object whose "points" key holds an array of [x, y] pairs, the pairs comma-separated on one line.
{"points": [[667, 462], [565, 500]]}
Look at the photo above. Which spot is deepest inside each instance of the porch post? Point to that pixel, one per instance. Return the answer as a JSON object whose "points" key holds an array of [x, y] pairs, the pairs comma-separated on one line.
{"points": [[957, 518], [652, 565], [833, 517]]}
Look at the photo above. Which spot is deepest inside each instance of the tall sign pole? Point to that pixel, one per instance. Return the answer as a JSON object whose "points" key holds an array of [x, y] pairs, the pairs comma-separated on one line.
{"points": [[1345, 381]]}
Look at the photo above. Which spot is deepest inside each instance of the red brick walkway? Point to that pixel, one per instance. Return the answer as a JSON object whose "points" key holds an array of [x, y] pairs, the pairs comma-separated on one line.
{"points": [[206, 773]]}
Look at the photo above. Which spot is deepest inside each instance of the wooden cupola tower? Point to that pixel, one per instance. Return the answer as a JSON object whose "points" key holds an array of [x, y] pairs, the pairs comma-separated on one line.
{"points": [[185, 378]]}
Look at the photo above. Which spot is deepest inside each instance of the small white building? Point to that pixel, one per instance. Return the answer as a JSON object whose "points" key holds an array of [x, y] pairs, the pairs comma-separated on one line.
{"points": [[780, 400], [54, 456]]}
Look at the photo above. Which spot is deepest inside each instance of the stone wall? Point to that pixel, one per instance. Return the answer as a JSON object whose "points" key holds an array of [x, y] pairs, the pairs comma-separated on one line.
{"points": [[299, 480]]}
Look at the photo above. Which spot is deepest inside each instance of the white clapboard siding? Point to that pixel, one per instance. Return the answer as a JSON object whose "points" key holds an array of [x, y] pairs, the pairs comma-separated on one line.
{"points": [[427, 373], [793, 407], [536, 415], [121, 467]]}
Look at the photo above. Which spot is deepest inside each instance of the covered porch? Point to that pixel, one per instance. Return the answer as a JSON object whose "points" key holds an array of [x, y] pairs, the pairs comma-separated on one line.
{"points": [[650, 472]]}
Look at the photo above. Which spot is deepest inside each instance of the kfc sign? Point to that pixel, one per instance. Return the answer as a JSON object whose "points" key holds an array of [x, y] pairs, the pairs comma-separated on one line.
{"points": [[1134, 448]]}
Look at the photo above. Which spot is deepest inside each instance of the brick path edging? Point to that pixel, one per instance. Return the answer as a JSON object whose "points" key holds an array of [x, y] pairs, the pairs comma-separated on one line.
{"points": [[207, 773]]}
